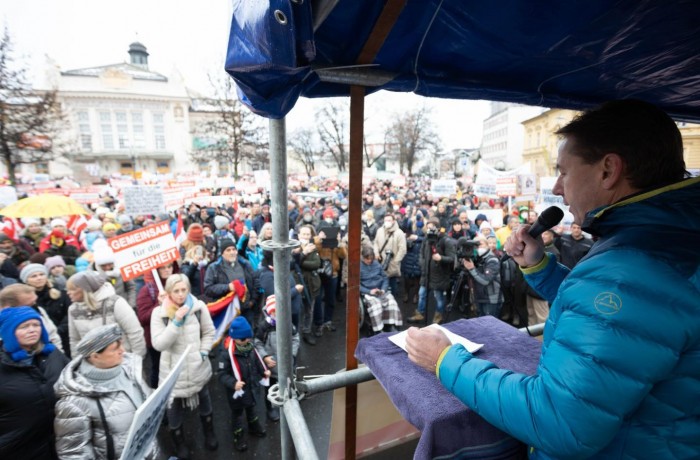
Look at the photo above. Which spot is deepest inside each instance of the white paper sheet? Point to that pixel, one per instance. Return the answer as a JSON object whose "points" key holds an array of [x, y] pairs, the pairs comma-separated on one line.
{"points": [[400, 339]]}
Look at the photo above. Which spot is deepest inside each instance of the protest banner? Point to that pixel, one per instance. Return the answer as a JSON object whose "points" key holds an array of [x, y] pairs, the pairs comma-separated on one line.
{"points": [[147, 418], [141, 250], [262, 179], [506, 186], [443, 187], [141, 200]]}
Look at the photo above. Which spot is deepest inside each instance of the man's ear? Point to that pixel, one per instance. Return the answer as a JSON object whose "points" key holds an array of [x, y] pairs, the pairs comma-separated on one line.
{"points": [[613, 168]]}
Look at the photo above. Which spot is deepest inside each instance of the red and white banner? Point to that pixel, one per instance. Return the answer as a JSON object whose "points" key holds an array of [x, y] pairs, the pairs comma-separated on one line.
{"points": [[142, 250]]}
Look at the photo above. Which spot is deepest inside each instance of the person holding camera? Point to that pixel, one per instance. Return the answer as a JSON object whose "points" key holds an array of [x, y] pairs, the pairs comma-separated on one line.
{"points": [[390, 249], [437, 259], [485, 269]]}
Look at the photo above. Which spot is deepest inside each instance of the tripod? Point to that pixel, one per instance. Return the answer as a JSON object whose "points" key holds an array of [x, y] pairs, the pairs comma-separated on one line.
{"points": [[461, 296]]}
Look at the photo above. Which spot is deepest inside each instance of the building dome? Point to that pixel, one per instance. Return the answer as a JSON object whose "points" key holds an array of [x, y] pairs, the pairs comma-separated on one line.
{"points": [[139, 54]]}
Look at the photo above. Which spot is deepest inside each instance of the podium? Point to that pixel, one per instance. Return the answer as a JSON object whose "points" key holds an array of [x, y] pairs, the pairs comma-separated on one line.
{"points": [[448, 428]]}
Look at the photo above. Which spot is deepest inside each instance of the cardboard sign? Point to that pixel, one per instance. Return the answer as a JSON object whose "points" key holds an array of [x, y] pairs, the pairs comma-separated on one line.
{"points": [[147, 418], [443, 187], [142, 250], [141, 200]]}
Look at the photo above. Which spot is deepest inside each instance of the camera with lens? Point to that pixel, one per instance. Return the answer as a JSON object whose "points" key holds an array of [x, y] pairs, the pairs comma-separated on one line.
{"points": [[465, 249], [388, 255], [432, 235]]}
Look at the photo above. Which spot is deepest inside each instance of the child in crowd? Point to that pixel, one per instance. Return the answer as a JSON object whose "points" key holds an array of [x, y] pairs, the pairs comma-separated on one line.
{"points": [[242, 372], [56, 267], [266, 346]]}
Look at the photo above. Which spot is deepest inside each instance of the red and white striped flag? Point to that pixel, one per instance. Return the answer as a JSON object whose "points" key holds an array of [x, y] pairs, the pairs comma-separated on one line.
{"points": [[76, 224]]}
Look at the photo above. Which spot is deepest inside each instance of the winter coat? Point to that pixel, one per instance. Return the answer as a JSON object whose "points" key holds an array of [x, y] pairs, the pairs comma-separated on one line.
{"points": [[394, 240], [69, 252], [220, 274], [266, 342], [372, 277], [487, 279], [34, 239], [111, 309], [124, 289], [195, 272], [410, 265], [26, 406], [147, 301], [171, 340], [335, 255], [80, 431], [308, 264], [619, 372], [364, 242], [251, 372], [56, 308], [267, 286], [572, 250], [436, 275]]}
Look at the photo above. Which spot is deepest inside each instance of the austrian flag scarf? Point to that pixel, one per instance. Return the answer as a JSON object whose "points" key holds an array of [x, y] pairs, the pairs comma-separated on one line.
{"points": [[265, 381]]}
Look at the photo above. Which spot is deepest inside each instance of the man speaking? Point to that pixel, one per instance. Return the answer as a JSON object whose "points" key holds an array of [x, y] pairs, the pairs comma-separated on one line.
{"points": [[619, 373]]}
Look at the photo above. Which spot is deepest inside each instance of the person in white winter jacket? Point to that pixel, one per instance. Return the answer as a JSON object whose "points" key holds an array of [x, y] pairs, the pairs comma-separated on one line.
{"points": [[98, 393], [183, 320], [96, 304]]}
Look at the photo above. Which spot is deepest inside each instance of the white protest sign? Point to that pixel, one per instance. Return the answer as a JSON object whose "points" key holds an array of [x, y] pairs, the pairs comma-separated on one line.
{"points": [[147, 418], [527, 184], [546, 197], [506, 186], [141, 200], [443, 187], [142, 250], [494, 216], [262, 178]]}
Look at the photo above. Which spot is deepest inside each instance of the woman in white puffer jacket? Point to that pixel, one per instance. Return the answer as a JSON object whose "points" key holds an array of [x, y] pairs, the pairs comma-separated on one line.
{"points": [[95, 304], [180, 321]]}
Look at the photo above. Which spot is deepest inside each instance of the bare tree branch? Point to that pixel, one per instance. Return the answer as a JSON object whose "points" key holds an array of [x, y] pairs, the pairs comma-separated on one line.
{"points": [[332, 126], [303, 149], [29, 120], [414, 136]]}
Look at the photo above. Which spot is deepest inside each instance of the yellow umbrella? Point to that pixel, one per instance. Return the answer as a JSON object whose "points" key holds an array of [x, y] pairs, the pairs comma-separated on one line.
{"points": [[45, 205]]}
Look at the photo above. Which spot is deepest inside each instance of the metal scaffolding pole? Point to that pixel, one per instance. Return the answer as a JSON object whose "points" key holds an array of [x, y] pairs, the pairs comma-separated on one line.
{"points": [[300, 432], [334, 381], [280, 245]]}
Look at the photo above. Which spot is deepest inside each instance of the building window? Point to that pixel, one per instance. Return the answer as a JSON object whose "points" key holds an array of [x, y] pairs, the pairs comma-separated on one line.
{"points": [[137, 130], [223, 167], [106, 130], [162, 166], [41, 168], [122, 131], [159, 131], [84, 130], [203, 166]]}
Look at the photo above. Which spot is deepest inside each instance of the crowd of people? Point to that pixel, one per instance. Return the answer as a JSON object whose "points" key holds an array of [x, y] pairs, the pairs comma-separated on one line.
{"points": [[61, 285]]}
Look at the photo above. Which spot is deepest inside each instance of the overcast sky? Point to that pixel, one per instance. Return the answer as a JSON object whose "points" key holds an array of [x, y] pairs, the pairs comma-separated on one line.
{"points": [[191, 36]]}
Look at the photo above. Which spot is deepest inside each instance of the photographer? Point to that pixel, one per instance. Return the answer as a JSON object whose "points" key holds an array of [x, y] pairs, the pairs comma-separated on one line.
{"points": [[437, 258], [390, 249], [485, 269]]}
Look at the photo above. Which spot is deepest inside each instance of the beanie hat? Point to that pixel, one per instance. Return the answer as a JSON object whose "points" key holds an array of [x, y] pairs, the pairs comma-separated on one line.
{"points": [[103, 255], [101, 211], [88, 281], [240, 329], [109, 227], [220, 222], [10, 319], [328, 213], [195, 233], [225, 244], [480, 217], [99, 339], [94, 224], [271, 305], [55, 261], [58, 223], [27, 221], [485, 224], [270, 310], [124, 219], [110, 215], [30, 269]]}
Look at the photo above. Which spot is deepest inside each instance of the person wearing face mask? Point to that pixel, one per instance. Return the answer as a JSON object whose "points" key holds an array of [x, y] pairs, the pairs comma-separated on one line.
{"points": [[485, 270], [369, 226], [307, 218], [328, 220], [389, 250], [103, 262]]}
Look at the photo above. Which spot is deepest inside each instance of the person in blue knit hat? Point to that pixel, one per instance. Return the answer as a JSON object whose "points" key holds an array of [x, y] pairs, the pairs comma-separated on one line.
{"points": [[29, 367], [242, 372]]}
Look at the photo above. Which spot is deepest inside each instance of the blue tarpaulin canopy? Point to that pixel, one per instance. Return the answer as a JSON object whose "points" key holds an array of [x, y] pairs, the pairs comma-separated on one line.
{"points": [[568, 54]]}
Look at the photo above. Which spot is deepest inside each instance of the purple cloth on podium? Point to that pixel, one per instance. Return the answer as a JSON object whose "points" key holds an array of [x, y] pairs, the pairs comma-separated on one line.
{"points": [[449, 429]]}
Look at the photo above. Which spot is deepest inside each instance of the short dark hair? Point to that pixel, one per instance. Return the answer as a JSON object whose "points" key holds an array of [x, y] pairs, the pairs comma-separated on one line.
{"points": [[644, 136]]}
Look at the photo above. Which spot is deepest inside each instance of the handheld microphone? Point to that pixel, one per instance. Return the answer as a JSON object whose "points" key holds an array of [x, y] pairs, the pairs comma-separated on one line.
{"points": [[548, 219]]}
